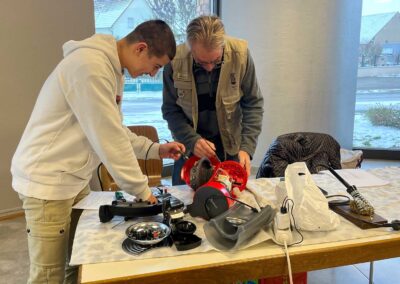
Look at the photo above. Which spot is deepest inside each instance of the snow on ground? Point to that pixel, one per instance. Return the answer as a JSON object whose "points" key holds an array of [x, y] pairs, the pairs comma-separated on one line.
{"points": [[367, 135]]}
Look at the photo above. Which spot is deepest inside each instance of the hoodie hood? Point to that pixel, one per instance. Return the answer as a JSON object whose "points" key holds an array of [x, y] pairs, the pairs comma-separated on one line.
{"points": [[105, 43]]}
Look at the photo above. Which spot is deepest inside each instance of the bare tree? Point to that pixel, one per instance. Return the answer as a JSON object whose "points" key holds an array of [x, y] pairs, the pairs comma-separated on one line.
{"points": [[176, 13], [370, 51]]}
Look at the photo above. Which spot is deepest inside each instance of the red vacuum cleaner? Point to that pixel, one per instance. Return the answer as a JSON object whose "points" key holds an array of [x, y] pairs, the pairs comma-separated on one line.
{"points": [[213, 182]]}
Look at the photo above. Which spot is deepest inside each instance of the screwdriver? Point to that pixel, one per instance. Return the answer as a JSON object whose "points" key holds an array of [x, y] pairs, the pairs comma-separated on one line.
{"points": [[184, 156], [216, 156]]}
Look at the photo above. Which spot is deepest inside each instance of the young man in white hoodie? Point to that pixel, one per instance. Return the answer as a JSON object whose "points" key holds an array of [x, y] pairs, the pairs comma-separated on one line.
{"points": [[75, 124]]}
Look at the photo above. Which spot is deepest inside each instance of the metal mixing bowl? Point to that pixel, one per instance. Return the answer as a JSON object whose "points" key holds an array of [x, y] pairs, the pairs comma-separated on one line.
{"points": [[148, 233]]}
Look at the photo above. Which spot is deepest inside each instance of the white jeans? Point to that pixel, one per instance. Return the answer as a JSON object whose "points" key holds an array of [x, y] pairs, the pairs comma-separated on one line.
{"points": [[51, 225]]}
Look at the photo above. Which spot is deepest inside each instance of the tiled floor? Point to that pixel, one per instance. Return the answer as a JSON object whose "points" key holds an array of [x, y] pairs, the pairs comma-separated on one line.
{"points": [[14, 260], [385, 272], [340, 275]]}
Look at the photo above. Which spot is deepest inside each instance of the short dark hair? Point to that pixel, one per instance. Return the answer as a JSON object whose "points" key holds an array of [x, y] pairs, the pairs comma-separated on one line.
{"points": [[158, 36]]}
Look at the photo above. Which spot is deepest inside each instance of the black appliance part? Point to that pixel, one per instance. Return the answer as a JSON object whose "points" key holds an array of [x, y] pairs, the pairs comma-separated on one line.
{"points": [[136, 209], [205, 205]]}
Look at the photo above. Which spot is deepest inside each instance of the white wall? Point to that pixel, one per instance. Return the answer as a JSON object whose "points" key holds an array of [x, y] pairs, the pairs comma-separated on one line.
{"points": [[31, 36], [305, 52]]}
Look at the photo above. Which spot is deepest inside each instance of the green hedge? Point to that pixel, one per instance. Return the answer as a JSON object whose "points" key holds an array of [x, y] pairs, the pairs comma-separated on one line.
{"points": [[384, 115]]}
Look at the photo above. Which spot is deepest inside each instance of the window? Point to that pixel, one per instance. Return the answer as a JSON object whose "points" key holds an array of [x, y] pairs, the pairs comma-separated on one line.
{"points": [[143, 96], [377, 113], [387, 51]]}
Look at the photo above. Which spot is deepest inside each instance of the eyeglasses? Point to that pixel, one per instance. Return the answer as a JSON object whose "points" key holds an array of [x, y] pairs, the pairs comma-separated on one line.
{"points": [[216, 63]]}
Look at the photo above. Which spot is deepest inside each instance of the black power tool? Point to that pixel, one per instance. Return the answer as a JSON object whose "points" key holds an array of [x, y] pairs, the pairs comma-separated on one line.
{"points": [[128, 209]]}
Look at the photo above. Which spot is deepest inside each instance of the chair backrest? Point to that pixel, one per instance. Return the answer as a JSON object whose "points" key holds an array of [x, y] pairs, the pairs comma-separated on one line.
{"points": [[317, 150], [151, 168]]}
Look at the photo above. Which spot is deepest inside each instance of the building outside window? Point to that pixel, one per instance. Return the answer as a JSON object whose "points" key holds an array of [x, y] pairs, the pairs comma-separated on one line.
{"points": [[143, 95], [377, 112], [131, 22]]}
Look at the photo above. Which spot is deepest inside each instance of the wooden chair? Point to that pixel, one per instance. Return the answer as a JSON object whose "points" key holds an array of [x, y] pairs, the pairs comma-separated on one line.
{"points": [[151, 168]]}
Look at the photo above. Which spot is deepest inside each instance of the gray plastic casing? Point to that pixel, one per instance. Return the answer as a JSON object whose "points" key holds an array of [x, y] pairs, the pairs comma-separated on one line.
{"points": [[224, 236]]}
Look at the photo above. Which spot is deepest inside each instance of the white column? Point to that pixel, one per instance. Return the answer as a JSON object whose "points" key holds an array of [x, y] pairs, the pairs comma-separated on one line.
{"points": [[305, 52]]}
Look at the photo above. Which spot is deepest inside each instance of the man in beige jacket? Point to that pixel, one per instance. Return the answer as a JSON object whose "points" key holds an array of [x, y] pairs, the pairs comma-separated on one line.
{"points": [[211, 98]]}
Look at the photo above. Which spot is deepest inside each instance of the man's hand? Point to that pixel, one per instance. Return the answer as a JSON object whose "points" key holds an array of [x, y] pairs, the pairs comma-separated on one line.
{"points": [[204, 148], [172, 150], [152, 199], [244, 160]]}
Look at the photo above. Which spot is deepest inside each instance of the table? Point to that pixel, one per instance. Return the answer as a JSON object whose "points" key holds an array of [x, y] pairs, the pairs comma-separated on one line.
{"points": [[264, 260]]}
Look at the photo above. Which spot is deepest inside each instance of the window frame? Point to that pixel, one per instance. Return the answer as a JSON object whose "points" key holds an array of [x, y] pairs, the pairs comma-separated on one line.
{"points": [[378, 153]]}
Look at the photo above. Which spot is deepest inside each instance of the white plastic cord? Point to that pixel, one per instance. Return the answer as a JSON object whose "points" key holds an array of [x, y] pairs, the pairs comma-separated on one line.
{"points": [[288, 261]]}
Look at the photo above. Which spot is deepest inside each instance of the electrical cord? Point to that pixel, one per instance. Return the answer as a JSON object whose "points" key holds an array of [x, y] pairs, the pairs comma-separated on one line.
{"points": [[145, 157], [283, 205], [148, 150], [333, 202], [234, 199], [359, 204], [98, 176], [324, 192], [224, 197], [255, 210], [346, 200], [145, 164], [283, 230], [290, 211], [288, 262]]}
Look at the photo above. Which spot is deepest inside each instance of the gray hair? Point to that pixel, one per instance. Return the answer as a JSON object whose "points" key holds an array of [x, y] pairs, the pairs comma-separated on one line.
{"points": [[207, 30]]}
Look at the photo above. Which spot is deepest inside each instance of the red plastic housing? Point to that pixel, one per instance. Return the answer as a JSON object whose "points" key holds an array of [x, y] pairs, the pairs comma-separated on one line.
{"points": [[236, 173]]}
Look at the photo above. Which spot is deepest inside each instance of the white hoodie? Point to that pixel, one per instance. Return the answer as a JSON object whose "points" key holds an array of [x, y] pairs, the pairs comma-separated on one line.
{"points": [[75, 123]]}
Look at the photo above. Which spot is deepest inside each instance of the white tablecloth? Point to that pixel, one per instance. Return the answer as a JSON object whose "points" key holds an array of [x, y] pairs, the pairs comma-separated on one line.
{"points": [[97, 242]]}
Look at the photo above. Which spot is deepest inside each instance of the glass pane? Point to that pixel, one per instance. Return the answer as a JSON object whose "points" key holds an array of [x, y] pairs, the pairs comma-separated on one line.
{"points": [[377, 113], [143, 95]]}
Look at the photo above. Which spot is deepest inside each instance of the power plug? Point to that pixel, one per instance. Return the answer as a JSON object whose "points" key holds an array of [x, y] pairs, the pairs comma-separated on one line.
{"points": [[282, 230]]}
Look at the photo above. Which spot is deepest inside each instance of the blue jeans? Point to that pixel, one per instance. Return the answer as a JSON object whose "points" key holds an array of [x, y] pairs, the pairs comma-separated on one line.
{"points": [[176, 172]]}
